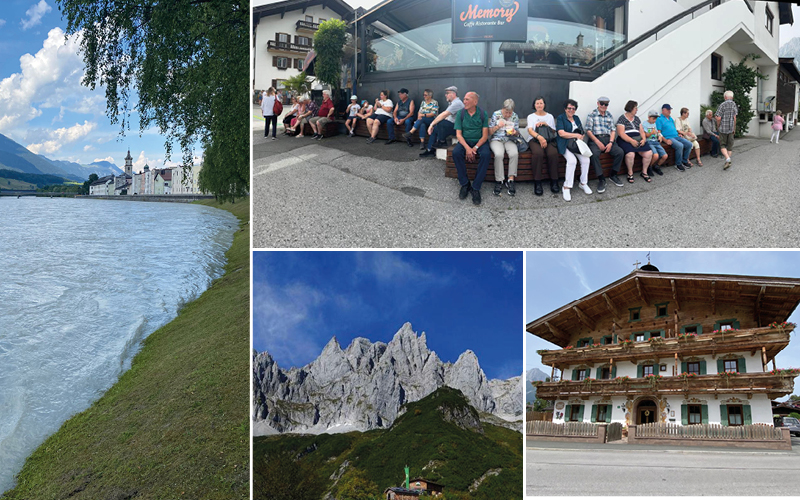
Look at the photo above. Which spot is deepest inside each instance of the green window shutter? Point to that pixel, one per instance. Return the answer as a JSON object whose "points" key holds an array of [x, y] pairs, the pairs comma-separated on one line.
{"points": [[597, 375], [723, 414], [594, 413], [639, 371], [608, 413], [704, 414], [614, 371], [567, 413], [685, 414], [699, 329], [742, 365], [720, 365], [574, 374], [683, 367], [580, 413], [615, 338], [646, 335], [748, 417], [703, 367], [736, 324]]}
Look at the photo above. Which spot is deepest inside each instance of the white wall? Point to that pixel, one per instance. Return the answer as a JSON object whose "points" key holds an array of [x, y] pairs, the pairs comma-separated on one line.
{"points": [[264, 72]]}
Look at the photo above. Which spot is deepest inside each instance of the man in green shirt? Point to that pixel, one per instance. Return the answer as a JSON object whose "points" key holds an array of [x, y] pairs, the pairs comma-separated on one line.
{"points": [[472, 132]]}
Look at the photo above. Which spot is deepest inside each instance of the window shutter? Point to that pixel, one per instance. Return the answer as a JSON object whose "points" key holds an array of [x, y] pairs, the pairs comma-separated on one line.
{"points": [[723, 414], [748, 417], [683, 367], [720, 365], [639, 371], [704, 414], [684, 414], [736, 324], [594, 413], [575, 374], [599, 372], [580, 413], [615, 338], [614, 371], [742, 365], [277, 37], [703, 367], [274, 61], [567, 413], [608, 414], [647, 335]]}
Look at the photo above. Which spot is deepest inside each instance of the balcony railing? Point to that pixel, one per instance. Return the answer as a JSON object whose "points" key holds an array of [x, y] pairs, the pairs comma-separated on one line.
{"points": [[776, 384], [287, 46], [307, 26], [773, 339]]}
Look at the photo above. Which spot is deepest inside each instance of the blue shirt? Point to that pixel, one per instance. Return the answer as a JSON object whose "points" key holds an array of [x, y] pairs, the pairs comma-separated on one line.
{"points": [[667, 127]]}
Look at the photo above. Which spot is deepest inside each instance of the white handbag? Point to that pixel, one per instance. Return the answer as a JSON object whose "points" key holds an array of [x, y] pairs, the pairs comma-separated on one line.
{"points": [[585, 151]]}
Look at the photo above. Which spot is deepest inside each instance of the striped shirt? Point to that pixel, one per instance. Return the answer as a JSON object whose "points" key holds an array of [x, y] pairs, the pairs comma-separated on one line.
{"points": [[727, 111], [600, 124]]}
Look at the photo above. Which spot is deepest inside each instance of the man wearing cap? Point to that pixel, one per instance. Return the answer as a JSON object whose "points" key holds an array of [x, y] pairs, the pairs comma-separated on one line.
{"points": [[403, 114], [443, 125], [726, 124], [601, 131], [472, 132], [682, 147]]}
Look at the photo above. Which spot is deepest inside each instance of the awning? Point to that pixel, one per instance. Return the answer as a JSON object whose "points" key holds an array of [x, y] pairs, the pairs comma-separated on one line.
{"points": [[308, 63]]}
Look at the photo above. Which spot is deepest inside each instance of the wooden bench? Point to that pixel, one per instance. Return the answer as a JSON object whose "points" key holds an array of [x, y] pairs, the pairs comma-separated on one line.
{"points": [[399, 130], [331, 129], [525, 169]]}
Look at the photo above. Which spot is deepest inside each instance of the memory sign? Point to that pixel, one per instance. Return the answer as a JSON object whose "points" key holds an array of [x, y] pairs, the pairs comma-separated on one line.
{"points": [[496, 20]]}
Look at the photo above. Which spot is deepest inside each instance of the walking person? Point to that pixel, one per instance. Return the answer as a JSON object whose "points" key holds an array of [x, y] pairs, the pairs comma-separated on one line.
{"points": [[268, 112], [726, 124], [541, 124], [777, 126]]}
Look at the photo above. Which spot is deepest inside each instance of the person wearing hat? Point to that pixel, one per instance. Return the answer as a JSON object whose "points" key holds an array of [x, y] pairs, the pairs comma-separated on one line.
{"points": [[352, 115], [600, 133], [669, 132], [403, 114], [654, 142], [443, 125]]}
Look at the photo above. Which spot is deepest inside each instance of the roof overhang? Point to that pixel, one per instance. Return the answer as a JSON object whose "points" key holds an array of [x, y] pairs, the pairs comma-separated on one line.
{"points": [[774, 298], [339, 6], [785, 15], [788, 65]]}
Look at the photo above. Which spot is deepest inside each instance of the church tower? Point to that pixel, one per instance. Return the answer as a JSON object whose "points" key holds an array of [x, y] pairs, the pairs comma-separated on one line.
{"points": [[129, 164]]}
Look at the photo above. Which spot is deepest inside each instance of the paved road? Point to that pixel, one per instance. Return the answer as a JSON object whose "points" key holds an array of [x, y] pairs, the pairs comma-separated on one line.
{"points": [[341, 192], [654, 471]]}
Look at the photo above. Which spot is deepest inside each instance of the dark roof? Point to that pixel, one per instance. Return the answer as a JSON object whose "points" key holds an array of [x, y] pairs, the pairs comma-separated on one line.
{"points": [[789, 65], [785, 15], [339, 6], [426, 480], [102, 180], [404, 491]]}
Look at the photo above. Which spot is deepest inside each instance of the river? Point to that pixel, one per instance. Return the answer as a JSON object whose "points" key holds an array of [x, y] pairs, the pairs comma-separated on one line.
{"points": [[82, 282]]}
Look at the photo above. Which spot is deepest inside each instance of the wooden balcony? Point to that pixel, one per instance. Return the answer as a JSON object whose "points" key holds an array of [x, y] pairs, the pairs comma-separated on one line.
{"points": [[306, 26], [752, 340], [274, 46], [774, 384]]}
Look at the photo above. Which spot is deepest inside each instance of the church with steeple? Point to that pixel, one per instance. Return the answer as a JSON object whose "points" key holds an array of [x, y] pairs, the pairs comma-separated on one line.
{"points": [[124, 182]]}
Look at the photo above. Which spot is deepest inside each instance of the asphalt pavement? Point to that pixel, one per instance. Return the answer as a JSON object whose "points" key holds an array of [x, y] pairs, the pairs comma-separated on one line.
{"points": [[344, 193], [571, 469]]}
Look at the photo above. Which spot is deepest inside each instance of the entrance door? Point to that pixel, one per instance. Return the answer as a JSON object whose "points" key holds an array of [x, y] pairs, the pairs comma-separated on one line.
{"points": [[646, 412]]}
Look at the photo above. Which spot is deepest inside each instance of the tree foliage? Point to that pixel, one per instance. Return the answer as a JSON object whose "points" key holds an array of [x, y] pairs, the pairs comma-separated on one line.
{"points": [[741, 79], [187, 60], [298, 84], [355, 485], [281, 477], [329, 47]]}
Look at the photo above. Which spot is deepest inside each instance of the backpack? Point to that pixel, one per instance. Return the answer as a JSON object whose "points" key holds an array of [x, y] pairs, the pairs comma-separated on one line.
{"points": [[277, 108]]}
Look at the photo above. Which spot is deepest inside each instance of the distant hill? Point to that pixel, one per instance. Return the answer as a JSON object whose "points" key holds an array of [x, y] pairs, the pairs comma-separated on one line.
{"points": [[791, 48], [439, 437], [37, 180], [14, 156], [532, 375]]}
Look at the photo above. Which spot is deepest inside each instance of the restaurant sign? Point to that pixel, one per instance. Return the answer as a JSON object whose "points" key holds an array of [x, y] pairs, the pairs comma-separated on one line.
{"points": [[495, 20]]}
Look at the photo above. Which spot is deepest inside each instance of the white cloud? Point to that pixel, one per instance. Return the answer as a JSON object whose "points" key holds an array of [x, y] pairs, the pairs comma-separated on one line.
{"points": [[2, 22], [63, 136], [88, 147], [109, 159], [35, 14]]}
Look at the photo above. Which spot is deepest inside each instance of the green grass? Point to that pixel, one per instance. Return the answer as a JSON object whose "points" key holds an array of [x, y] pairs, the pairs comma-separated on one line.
{"points": [[14, 184], [176, 424], [417, 438]]}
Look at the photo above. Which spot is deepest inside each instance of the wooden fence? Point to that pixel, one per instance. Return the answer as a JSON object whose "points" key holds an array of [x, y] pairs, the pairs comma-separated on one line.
{"points": [[763, 432], [614, 432], [539, 415], [582, 429]]}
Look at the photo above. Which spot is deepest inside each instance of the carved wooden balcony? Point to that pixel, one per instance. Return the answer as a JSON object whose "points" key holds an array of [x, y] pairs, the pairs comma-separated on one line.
{"points": [[276, 46]]}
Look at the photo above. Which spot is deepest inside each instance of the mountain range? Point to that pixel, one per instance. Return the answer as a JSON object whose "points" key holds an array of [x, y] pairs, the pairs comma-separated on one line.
{"points": [[791, 49], [14, 156], [534, 374], [364, 387]]}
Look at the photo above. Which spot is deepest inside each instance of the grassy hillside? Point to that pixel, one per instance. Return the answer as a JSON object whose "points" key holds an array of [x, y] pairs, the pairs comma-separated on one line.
{"points": [[6, 183], [432, 447], [176, 424]]}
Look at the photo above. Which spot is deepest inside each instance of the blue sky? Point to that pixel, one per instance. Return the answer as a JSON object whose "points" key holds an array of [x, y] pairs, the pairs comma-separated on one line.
{"points": [[568, 276], [44, 107], [462, 300]]}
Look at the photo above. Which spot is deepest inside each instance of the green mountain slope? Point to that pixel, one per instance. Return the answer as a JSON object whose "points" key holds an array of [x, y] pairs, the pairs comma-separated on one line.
{"points": [[439, 437]]}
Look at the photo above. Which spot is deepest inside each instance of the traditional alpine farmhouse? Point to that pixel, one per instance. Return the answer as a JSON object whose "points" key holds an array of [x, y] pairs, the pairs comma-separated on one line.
{"points": [[670, 348]]}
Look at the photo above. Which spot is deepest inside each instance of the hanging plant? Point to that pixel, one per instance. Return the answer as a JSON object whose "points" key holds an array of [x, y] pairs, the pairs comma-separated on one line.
{"points": [[621, 380], [626, 343], [653, 380], [687, 336]]}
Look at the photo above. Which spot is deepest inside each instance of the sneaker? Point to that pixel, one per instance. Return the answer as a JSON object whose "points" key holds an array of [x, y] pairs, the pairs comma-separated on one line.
{"points": [[319, 137], [680, 167], [512, 189], [616, 180], [408, 139], [352, 133], [428, 152], [565, 193], [370, 140], [586, 188], [315, 136], [498, 188], [390, 141], [601, 185], [476, 197], [423, 147], [465, 189], [727, 164], [274, 138], [656, 169]]}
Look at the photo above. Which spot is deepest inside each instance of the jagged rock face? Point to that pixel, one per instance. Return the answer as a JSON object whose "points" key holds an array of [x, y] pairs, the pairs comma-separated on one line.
{"points": [[364, 386]]}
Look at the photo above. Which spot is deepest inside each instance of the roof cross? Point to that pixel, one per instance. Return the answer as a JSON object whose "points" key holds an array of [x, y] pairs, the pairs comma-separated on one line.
{"points": [[637, 264]]}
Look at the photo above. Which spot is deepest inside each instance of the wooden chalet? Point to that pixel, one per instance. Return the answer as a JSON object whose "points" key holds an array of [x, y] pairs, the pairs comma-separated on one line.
{"points": [[670, 348], [423, 485]]}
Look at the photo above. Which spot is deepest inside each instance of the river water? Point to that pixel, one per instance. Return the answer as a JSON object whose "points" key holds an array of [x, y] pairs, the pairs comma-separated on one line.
{"points": [[82, 282]]}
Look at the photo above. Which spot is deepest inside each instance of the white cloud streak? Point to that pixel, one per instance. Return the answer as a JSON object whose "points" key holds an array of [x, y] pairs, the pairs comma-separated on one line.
{"points": [[35, 14], [62, 136]]}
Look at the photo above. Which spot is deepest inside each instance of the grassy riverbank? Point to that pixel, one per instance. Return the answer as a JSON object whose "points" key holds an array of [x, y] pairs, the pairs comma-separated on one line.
{"points": [[176, 424]]}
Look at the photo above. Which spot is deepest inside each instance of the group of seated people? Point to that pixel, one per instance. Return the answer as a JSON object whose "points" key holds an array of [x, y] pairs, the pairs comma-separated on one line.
{"points": [[304, 111]]}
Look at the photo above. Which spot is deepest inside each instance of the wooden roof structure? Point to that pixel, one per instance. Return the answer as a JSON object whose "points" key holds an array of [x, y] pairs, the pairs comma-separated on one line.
{"points": [[773, 299]]}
